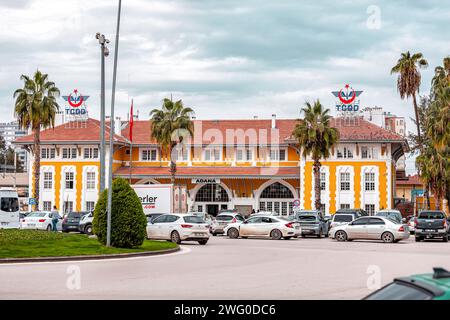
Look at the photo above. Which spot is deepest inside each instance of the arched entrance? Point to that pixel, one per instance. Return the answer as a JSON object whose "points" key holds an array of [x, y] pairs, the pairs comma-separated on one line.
{"points": [[276, 197], [211, 198]]}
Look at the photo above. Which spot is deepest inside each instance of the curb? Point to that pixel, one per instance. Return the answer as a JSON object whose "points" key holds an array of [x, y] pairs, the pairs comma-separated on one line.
{"points": [[89, 257]]}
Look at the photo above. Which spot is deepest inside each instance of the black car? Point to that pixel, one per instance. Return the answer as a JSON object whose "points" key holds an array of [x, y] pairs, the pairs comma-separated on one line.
{"points": [[432, 224], [71, 220]]}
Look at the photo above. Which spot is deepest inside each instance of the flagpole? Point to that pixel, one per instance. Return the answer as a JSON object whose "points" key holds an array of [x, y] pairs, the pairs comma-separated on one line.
{"points": [[131, 124]]}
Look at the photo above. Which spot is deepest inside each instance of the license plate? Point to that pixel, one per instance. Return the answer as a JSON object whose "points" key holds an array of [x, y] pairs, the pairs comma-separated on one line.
{"points": [[429, 230], [199, 234], [31, 225]]}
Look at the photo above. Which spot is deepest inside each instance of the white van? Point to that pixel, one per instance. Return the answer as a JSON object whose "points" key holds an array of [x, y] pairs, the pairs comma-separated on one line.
{"points": [[9, 208]]}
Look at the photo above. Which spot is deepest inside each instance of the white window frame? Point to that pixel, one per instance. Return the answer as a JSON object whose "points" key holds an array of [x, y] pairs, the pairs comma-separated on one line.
{"points": [[47, 205], [68, 180], [277, 157], [341, 181], [182, 151], [48, 181], [71, 153], [323, 181], [48, 153], [212, 154], [90, 181], [370, 212], [344, 152], [146, 154], [245, 154], [87, 207], [90, 153], [369, 184], [67, 204]]}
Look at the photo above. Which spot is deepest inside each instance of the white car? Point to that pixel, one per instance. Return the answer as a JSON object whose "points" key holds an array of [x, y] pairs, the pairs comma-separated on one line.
{"points": [[39, 220], [371, 228], [178, 227], [264, 226]]}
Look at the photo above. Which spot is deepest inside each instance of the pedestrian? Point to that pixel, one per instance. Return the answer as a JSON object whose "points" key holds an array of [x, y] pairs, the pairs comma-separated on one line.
{"points": [[253, 211], [55, 217]]}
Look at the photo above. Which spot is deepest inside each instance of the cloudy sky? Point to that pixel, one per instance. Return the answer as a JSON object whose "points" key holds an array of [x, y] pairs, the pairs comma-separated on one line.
{"points": [[226, 59]]}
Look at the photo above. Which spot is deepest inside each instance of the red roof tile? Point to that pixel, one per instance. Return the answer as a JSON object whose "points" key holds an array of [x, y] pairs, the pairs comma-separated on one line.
{"points": [[72, 132], [412, 180], [293, 172]]}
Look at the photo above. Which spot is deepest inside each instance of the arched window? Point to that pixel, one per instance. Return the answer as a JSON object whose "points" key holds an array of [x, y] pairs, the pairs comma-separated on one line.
{"points": [[211, 192], [277, 191]]}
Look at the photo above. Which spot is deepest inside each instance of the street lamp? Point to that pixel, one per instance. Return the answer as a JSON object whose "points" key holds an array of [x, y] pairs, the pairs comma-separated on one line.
{"points": [[111, 131], [104, 52]]}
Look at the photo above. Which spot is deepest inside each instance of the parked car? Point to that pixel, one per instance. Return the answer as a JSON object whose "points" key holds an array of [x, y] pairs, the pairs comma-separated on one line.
{"points": [[357, 212], [223, 219], [85, 225], [178, 227], [391, 214], [412, 224], [71, 221], [430, 224], [342, 218], [312, 222], [264, 226], [205, 216], [371, 228], [151, 216], [429, 286], [39, 220]]}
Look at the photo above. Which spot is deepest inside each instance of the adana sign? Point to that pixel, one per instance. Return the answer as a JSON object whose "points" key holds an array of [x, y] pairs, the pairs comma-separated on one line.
{"points": [[205, 180], [76, 101], [347, 99]]}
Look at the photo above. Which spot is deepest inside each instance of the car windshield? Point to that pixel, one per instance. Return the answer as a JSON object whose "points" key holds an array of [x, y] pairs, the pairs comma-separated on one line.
{"points": [[399, 291], [307, 218], [37, 214], [343, 218], [431, 215], [193, 219], [224, 218]]}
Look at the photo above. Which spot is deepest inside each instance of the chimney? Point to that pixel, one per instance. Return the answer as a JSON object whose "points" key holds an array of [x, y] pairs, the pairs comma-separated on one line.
{"points": [[274, 119], [118, 126]]}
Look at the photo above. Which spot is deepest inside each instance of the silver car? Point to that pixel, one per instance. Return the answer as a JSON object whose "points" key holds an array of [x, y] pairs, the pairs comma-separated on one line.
{"points": [[371, 228], [264, 226], [223, 219]]}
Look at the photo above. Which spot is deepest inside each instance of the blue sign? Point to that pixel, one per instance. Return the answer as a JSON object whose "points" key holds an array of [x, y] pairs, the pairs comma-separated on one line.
{"points": [[32, 201]]}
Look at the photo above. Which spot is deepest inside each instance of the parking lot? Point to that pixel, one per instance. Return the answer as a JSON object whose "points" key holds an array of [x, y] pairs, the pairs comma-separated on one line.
{"points": [[231, 269]]}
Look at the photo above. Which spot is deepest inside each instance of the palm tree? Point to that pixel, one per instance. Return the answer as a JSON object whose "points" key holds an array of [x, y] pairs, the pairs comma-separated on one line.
{"points": [[169, 126], [35, 108], [316, 137], [409, 78]]}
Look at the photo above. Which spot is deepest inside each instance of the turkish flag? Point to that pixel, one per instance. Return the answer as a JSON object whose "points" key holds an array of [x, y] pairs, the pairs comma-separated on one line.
{"points": [[131, 121]]}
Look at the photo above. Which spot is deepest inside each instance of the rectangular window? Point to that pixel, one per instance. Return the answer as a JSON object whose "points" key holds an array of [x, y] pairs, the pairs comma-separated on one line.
{"points": [[69, 180], [48, 180], [90, 205], [149, 155], [284, 208], [47, 205], [48, 153], [277, 154], [244, 154], [345, 153], [69, 153], [369, 181], [90, 153], [370, 209], [181, 153], [345, 205], [200, 208], [345, 181], [323, 182], [212, 154], [90, 180], [68, 206], [262, 206]]}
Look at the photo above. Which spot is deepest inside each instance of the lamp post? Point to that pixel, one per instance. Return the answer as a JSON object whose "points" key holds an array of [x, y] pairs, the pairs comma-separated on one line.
{"points": [[111, 132], [104, 52]]}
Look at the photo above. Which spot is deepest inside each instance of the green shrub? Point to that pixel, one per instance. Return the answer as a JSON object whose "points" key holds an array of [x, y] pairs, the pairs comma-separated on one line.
{"points": [[128, 222]]}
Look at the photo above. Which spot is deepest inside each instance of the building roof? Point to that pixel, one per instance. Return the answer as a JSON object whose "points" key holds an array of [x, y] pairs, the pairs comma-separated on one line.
{"points": [[216, 172], [257, 131], [72, 132], [411, 180], [216, 132]]}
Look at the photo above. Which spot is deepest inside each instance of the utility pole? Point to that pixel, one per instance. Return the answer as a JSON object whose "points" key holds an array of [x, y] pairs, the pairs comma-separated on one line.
{"points": [[104, 52], [111, 132]]}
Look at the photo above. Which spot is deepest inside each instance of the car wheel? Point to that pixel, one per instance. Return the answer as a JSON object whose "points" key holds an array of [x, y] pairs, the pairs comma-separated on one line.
{"points": [[418, 239], [387, 237], [340, 235], [445, 239], [88, 230], [276, 234], [203, 242], [320, 234], [233, 233], [287, 238], [214, 234], [175, 237], [49, 228], [303, 236], [244, 237]]}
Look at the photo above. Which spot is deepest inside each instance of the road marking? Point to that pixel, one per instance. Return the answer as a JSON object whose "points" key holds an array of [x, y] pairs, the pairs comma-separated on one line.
{"points": [[182, 250]]}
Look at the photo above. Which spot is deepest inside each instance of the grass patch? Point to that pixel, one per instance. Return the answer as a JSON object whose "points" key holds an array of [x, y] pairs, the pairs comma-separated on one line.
{"points": [[35, 243]]}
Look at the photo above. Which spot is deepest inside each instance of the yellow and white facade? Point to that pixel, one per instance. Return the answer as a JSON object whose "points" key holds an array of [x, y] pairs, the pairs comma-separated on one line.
{"points": [[228, 164]]}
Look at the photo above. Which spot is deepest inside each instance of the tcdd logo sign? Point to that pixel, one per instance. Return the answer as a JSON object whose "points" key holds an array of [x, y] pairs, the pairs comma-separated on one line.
{"points": [[76, 103], [347, 99]]}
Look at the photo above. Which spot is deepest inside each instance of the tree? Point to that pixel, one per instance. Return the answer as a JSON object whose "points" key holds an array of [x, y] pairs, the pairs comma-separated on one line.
{"points": [[128, 221], [169, 126], [35, 108], [409, 78], [316, 137]]}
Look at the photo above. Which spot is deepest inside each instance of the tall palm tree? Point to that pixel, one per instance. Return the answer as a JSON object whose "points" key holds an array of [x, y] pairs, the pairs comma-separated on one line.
{"points": [[169, 125], [316, 137], [409, 78], [35, 108]]}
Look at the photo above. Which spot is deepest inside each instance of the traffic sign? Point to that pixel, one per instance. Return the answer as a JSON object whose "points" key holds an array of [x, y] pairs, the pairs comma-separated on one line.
{"points": [[32, 201], [296, 203]]}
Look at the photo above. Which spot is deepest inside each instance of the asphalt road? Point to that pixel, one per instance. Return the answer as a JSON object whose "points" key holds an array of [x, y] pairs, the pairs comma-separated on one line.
{"points": [[231, 269]]}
